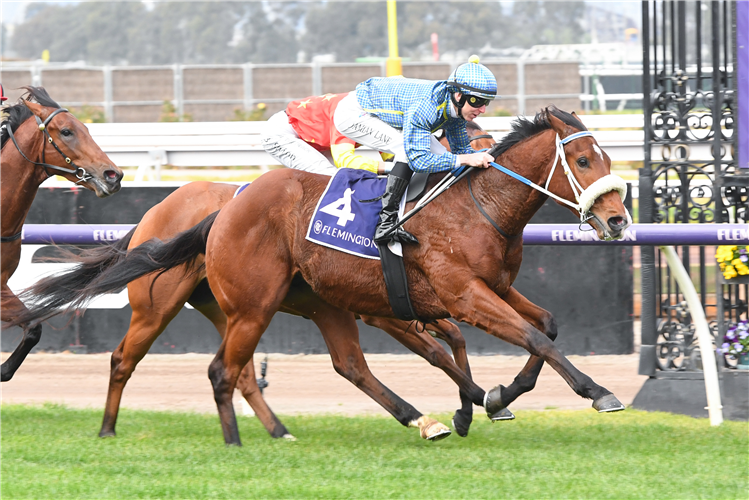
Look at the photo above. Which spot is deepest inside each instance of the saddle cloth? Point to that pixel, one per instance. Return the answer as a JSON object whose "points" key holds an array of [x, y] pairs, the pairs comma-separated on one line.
{"points": [[341, 220], [240, 189]]}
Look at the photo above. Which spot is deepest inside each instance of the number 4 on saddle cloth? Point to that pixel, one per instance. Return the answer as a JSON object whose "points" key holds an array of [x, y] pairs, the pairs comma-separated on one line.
{"points": [[346, 215], [345, 219]]}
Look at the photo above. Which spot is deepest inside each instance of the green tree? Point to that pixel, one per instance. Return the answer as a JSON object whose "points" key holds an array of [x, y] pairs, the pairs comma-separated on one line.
{"points": [[461, 26], [548, 22], [346, 29], [105, 27], [50, 27], [268, 33]]}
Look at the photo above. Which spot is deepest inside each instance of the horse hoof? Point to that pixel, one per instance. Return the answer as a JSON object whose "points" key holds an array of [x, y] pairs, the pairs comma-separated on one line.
{"points": [[493, 401], [503, 414], [107, 434], [462, 422], [289, 437], [607, 403], [437, 434], [430, 429]]}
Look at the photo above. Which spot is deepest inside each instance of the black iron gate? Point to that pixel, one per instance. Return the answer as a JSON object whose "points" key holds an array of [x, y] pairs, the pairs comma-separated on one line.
{"points": [[690, 172]]}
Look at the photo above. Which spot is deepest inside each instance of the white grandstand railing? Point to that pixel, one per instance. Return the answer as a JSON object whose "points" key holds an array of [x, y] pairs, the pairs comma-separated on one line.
{"points": [[149, 146]]}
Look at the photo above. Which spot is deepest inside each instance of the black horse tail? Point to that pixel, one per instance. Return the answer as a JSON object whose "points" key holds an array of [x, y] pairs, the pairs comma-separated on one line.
{"points": [[74, 289]]}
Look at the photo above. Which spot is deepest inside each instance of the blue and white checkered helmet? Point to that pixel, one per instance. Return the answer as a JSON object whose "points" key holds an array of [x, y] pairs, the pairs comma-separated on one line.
{"points": [[473, 78]]}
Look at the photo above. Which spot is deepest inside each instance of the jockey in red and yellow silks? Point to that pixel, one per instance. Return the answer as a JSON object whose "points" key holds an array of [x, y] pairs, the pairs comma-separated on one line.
{"points": [[304, 137]]}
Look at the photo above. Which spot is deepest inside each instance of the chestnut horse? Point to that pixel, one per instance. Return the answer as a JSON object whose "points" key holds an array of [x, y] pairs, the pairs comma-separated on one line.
{"points": [[54, 142], [156, 302], [258, 262]]}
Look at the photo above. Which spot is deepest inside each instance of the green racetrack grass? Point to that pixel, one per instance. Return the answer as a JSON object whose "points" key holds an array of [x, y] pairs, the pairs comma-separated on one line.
{"points": [[53, 452]]}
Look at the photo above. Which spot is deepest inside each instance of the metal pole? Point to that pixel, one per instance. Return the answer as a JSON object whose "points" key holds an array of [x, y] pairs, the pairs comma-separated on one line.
{"points": [[247, 86], [108, 94], [521, 82], [649, 335], [179, 101], [704, 338], [394, 66]]}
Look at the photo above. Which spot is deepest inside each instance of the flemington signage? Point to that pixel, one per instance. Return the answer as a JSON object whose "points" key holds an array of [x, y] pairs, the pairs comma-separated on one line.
{"points": [[534, 234], [571, 235]]}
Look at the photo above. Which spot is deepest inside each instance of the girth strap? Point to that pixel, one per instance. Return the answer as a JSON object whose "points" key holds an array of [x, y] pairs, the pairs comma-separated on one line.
{"points": [[8, 239]]}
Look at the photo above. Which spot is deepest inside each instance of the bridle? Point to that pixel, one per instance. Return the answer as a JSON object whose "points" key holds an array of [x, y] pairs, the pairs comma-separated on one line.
{"points": [[483, 136], [79, 172], [585, 197]]}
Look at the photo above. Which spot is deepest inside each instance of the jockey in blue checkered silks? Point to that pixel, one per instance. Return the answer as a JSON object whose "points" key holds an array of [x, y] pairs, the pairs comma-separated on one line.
{"points": [[399, 115]]}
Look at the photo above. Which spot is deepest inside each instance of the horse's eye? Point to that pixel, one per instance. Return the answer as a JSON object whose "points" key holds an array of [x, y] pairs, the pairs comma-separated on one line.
{"points": [[582, 162], [66, 132]]}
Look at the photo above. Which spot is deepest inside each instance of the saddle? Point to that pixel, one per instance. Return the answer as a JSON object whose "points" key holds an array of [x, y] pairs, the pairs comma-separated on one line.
{"points": [[416, 186]]}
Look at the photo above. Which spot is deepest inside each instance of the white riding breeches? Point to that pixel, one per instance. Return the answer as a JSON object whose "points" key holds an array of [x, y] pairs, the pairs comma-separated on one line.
{"points": [[355, 123], [281, 141]]}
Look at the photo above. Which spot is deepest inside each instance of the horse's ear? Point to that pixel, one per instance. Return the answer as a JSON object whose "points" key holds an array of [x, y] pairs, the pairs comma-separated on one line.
{"points": [[36, 108], [558, 125]]}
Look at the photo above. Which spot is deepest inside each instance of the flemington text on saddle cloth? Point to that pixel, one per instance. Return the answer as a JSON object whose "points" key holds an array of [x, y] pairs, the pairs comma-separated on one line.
{"points": [[341, 220]]}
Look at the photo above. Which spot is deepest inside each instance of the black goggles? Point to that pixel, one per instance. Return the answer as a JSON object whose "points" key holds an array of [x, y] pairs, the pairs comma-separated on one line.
{"points": [[477, 102]]}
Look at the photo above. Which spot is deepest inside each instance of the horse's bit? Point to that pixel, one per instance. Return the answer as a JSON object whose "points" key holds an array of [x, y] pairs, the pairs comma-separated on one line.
{"points": [[79, 172]]}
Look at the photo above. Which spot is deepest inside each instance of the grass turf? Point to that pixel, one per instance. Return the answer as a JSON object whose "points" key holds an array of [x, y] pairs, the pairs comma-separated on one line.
{"points": [[53, 452]]}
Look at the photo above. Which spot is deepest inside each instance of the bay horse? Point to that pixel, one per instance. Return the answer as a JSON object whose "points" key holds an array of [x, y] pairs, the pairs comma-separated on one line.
{"points": [[155, 303], [40, 139], [258, 261]]}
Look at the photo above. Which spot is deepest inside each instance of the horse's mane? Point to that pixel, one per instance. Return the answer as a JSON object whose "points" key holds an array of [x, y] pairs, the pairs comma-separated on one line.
{"points": [[522, 128], [13, 116]]}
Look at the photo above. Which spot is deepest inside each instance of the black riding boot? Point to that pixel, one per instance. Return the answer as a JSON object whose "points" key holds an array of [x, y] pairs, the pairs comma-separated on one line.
{"points": [[396, 186]]}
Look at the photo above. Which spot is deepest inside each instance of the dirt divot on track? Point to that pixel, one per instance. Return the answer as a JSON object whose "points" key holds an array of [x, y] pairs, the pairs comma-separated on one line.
{"points": [[303, 384]]}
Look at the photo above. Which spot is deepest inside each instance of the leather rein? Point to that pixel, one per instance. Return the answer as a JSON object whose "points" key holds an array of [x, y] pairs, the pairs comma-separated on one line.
{"points": [[79, 172]]}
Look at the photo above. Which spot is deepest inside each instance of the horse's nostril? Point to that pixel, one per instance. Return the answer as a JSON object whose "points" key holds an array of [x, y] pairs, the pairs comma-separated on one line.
{"points": [[617, 223], [112, 176]]}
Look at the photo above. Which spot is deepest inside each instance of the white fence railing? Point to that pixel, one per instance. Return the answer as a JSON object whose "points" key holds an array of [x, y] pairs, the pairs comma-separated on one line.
{"points": [[149, 146]]}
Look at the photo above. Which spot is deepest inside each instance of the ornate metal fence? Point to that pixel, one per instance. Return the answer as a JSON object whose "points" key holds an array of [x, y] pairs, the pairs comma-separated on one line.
{"points": [[689, 105]]}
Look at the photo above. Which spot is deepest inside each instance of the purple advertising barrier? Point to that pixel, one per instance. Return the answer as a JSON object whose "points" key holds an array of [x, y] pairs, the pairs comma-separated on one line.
{"points": [[534, 234], [742, 80], [640, 234], [73, 234]]}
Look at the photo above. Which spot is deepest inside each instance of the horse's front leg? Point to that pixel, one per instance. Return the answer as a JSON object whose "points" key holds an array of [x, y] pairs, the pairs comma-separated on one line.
{"points": [[479, 306], [12, 306], [422, 343], [525, 381]]}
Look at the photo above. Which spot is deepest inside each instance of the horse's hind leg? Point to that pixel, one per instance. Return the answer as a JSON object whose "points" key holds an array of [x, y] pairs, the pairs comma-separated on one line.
{"points": [[243, 332], [422, 343], [31, 336], [525, 381], [147, 322], [203, 300], [451, 334], [155, 302]]}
